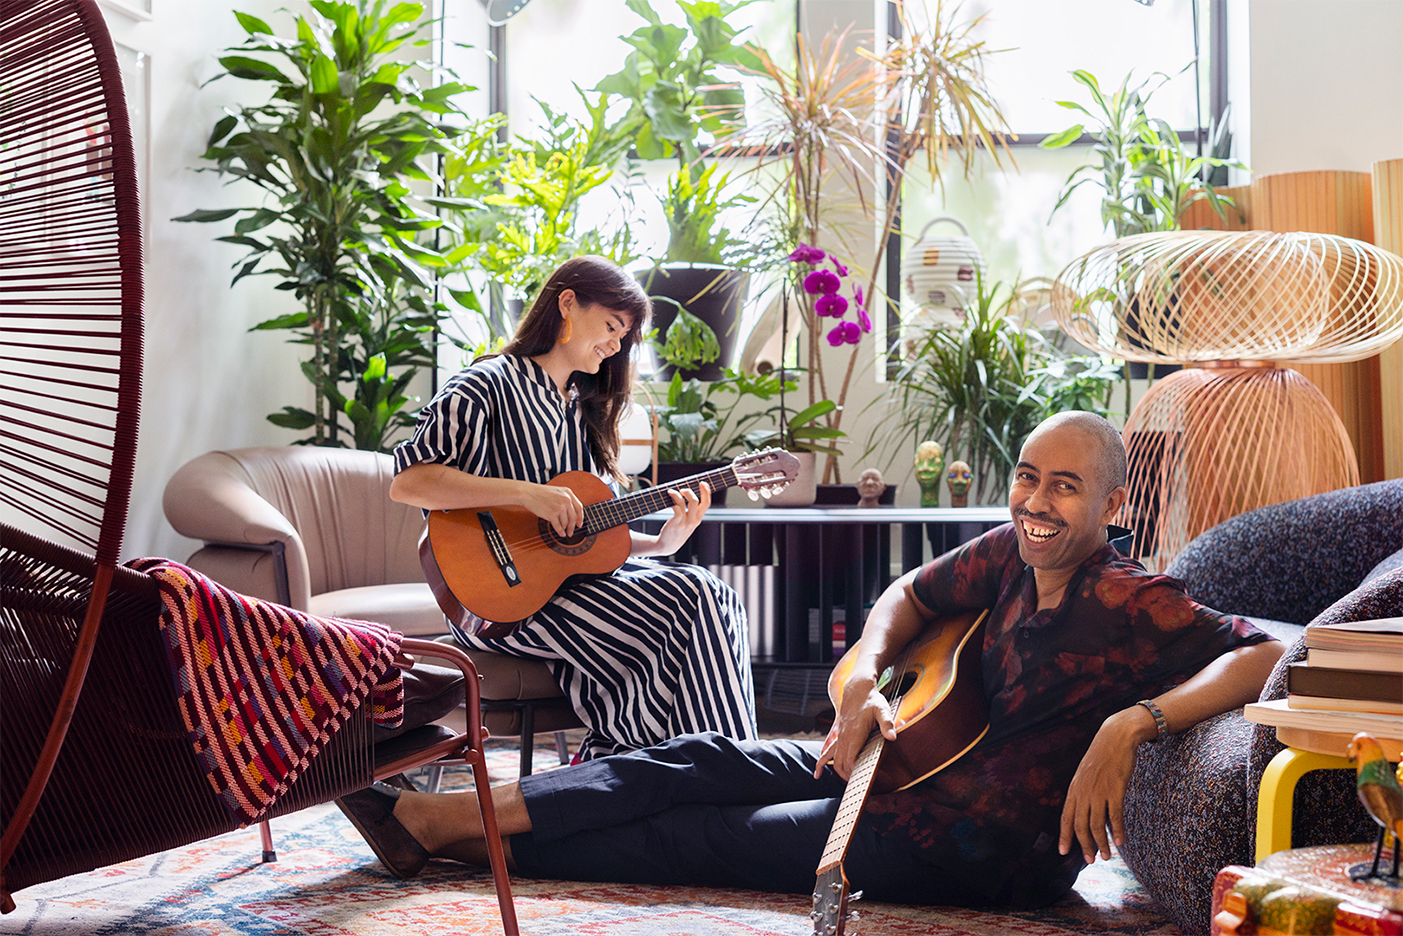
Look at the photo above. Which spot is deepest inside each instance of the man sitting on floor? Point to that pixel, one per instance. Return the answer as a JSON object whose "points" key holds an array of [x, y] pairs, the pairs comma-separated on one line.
{"points": [[1085, 656]]}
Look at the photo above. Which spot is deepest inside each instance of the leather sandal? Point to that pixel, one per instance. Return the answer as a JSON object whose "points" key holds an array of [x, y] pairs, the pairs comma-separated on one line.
{"points": [[372, 812]]}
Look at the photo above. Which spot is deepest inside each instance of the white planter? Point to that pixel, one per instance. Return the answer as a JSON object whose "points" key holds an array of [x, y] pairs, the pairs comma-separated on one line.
{"points": [[803, 490]]}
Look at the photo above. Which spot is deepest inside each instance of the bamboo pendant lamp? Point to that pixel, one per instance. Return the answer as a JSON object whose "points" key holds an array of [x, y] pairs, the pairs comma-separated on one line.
{"points": [[1235, 430]]}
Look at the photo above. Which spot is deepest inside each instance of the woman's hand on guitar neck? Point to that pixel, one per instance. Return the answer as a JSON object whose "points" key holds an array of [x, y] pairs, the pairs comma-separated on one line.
{"points": [[863, 707], [688, 508]]}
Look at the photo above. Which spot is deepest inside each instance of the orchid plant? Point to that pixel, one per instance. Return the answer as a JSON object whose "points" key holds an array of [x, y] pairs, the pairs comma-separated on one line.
{"points": [[823, 288]]}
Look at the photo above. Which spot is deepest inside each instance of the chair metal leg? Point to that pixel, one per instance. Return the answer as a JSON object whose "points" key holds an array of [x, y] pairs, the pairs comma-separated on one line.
{"points": [[433, 775], [562, 749], [528, 737], [265, 831], [495, 855]]}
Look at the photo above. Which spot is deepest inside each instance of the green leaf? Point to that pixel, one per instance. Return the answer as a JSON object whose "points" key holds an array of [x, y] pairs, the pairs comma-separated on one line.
{"points": [[256, 221], [324, 77], [253, 24], [1063, 138], [293, 320], [293, 418], [241, 66], [222, 128], [209, 214]]}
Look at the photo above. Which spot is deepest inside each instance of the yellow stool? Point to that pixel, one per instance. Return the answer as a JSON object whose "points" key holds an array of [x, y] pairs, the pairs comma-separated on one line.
{"points": [[1276, 795]]}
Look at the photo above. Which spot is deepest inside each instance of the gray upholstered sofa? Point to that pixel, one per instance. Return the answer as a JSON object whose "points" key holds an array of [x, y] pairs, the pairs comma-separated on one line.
{"points": [[1192, 803]]}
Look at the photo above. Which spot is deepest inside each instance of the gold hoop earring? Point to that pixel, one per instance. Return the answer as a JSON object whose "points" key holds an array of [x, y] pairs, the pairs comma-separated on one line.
{"points": [[566, 337]]}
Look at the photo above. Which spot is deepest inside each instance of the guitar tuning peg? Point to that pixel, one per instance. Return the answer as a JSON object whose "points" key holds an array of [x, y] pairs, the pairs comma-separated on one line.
{"points": [[855, 895], [750, 493], [766, 493]]}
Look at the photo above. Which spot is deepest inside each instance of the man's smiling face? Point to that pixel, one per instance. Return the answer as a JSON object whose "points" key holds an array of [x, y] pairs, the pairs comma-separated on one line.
{"points": [[1060, 500]]}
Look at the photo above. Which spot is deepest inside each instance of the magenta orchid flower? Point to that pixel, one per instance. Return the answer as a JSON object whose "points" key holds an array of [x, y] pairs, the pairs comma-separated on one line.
{"points": [[805, 253], [864, 321], [844, 333], [822, 282], [831, 304]]}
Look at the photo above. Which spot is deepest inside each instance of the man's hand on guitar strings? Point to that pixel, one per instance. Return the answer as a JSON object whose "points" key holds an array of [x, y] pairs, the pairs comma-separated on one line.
{"points": [[853, 726]]}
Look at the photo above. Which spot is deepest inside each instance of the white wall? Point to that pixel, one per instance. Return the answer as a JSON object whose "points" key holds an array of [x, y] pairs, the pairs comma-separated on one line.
{"points": [[1327, 84], [209, 382]]}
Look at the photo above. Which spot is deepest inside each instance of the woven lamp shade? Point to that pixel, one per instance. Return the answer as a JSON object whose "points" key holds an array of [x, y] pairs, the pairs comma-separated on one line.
{"points": [[1237, 432]]}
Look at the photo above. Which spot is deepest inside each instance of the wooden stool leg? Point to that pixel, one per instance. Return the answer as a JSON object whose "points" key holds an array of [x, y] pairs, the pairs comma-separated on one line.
{"points": [[495, 856], [528, 738], [1275, 797], [265, 831]]}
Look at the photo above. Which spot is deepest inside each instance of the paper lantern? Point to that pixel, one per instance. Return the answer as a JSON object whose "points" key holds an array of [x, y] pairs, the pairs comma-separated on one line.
{"points": [[942, 272]]}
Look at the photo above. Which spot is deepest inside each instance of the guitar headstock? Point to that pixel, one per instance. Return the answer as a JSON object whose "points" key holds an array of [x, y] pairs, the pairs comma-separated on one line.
{"points": [[765, 473], [830, 912]]}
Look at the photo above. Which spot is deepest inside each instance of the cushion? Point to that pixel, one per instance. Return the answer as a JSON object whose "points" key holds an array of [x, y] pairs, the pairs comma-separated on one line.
{"points": [[408, 607], [1389, 563], [1290, 561]]}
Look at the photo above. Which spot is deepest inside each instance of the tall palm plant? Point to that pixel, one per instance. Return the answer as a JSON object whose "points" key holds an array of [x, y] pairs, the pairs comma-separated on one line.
{"points": [[855, 122]]}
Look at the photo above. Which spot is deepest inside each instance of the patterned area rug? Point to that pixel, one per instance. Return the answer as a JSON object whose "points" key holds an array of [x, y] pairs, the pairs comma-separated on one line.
{"points": [[327, 882]]}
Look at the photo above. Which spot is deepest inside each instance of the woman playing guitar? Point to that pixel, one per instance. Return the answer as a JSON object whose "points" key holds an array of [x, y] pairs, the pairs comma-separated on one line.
{"points": [[644, 653]]}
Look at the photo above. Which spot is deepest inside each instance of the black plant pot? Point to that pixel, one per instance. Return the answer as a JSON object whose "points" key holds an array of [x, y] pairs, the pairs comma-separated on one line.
{"points": [[712, 293]]}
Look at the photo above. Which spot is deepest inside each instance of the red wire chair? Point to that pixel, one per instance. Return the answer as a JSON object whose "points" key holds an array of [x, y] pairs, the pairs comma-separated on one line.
{"points": [[97, 766]]}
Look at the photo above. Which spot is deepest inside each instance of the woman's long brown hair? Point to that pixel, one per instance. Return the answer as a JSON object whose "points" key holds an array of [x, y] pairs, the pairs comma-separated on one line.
{"points": [[602, 396]]}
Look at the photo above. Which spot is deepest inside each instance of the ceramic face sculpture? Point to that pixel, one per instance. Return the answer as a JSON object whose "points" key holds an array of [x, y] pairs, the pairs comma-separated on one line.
{"points": [[930, 462], [958, 479], [870, 487]]}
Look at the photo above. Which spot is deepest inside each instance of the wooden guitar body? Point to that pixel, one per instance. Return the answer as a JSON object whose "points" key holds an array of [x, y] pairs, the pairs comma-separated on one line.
{"points": [[939, 694], [542, 559], [492, 567]]}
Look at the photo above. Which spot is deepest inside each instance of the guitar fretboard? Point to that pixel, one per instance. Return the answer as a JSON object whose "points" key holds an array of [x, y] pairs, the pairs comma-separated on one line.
{"points": [[850, 806], [611, 513]]}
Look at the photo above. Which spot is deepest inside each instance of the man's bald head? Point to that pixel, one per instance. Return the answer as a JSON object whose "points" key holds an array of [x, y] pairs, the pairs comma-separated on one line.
{"points": [[1110, 448]]}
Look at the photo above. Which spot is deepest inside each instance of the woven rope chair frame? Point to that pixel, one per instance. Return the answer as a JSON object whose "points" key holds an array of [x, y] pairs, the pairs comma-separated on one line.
{"points": [[70, 318], [86, 702]]}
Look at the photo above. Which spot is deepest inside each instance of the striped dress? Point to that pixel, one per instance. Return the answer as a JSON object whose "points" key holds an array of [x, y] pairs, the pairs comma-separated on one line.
{"points": [[644, 654]]}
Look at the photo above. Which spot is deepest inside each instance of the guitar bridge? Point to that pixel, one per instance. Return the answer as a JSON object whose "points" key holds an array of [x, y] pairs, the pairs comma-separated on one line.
{"points": [[500, 552]]}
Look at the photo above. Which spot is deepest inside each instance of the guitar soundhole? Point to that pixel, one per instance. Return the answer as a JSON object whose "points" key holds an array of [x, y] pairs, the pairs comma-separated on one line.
{"points": [[908, 679], [575, 545]]}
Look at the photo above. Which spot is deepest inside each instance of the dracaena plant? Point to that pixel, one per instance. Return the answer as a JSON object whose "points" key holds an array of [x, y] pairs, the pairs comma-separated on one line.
{"points": [[343, 133]]}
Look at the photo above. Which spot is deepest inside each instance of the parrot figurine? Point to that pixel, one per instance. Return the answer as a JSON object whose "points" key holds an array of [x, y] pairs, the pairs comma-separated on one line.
{"points": [[1381, 795]]}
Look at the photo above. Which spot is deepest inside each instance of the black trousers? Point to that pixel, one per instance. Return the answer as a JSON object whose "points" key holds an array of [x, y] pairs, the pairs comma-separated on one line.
{"points": [[707, 809]]}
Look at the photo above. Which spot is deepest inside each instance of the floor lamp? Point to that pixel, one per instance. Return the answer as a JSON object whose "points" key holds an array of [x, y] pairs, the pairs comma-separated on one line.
{"points": [[1235, 429]]}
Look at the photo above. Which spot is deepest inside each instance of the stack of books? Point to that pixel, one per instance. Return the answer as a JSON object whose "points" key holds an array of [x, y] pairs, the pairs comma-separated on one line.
{"points": [[1351, 681], [1354, 667]]}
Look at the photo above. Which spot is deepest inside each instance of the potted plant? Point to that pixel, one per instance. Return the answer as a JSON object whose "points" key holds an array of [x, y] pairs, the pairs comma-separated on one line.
{"points": [[702, 422], [980, 387], [514, 208], [677, 91], [863, 117], [1147, 180], [344, 130]]}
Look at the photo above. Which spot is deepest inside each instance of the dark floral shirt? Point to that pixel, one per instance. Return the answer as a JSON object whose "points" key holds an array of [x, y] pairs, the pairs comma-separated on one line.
{"points": [[1120, 634]]}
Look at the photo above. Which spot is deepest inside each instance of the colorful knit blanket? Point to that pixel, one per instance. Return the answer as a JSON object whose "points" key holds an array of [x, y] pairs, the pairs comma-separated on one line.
{"points": [[261, 687]]}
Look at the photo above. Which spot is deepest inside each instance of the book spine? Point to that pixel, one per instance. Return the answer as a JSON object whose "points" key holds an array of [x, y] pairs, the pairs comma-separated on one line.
{"points": [[1302, 679], [1323, 703], [1344, 659]]}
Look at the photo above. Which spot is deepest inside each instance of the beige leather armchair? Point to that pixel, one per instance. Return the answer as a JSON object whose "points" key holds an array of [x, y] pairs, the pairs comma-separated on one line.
{"points": [[315, 529]]}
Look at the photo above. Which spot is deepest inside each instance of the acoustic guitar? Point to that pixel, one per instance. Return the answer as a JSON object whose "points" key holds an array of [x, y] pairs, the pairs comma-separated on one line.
{"points": [[936, 691], [491, 568]]}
